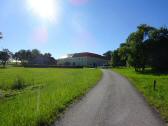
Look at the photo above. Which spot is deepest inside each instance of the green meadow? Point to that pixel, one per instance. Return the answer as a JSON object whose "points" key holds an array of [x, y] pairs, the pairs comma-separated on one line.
{"points": [[157, 98], [36, 96]]}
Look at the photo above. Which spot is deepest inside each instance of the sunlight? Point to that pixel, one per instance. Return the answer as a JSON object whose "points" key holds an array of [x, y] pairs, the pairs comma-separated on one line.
{"points": [[46, 9]]}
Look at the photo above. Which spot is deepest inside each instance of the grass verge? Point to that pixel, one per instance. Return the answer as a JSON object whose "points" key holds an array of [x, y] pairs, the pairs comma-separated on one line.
{"points": [[47, 93], [144, 83]]}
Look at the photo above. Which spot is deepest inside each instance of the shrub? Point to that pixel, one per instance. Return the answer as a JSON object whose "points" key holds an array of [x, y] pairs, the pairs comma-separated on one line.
{"points": [[18, 84]]}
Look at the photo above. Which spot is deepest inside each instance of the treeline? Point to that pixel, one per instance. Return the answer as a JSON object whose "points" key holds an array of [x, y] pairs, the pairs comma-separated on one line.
{"points": [[146, 47], [26, 57]]}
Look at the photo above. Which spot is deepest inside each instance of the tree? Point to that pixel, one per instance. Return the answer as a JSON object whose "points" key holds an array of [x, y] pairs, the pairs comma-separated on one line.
{"points": [[116, 59], [22, 56], [123, 52], [35, 53], [146, 47], [34, 56], [157, 47], [137, 55], [108, 55], [16, 56], [49, 59], [5, 55]]}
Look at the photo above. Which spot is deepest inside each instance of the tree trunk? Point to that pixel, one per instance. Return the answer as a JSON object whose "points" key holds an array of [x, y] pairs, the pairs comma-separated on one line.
{"points": [[4, 63], [143, 68]]}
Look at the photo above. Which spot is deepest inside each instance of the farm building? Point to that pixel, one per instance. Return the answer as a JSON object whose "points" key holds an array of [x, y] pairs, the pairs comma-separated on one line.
{"points": [[83, 59]]}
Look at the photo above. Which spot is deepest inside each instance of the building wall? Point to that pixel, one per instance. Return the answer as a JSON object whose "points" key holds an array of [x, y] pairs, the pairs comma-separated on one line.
{"points": [[82, 61]]}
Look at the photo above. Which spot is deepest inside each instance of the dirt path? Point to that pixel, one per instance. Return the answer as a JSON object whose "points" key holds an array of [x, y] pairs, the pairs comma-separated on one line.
{"points": [[113, 102]]}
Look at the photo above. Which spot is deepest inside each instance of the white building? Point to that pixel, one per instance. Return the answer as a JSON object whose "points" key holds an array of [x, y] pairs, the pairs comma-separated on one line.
{"points": [[83, 59]]}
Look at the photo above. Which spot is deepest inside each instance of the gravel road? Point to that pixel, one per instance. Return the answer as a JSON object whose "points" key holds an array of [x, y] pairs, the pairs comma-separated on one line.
{"points": [[113, 102]]}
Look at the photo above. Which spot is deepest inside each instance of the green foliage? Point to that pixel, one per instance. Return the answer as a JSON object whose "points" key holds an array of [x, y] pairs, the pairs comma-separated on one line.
{"points": [[117, 60], [144, 83], [4, 56], [157, 48], [137, 55], [48, 92], [124, 51], [30, 57], [108, 55], [146, 47], [18, 84]]}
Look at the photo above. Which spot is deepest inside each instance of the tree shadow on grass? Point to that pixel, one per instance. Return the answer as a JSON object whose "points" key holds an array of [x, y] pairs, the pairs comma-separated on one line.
{"points": [[2, 67], [150, 71]]}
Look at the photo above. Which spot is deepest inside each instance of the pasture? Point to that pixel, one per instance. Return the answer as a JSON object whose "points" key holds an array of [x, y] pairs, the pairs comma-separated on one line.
{"points": [[157, 98], [36, 96]]}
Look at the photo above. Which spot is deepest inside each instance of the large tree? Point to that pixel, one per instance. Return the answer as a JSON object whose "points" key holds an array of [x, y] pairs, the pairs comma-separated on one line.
{"points": [[137, 55], [116, 59], [147, 46], [34, 57], [108, 55], [157, 48], [123, 52], [16, 57], [5, 55], [35, 53], [22, 56]]}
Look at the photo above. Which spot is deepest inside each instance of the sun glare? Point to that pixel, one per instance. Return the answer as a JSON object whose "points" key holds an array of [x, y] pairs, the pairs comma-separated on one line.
{"points": [[46, 9]]}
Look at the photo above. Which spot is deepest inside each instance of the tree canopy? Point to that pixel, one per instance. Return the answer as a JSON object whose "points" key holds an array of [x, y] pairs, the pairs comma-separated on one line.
{"points": [[34, 57], [5, 55], [27, 57], [146, 47]]}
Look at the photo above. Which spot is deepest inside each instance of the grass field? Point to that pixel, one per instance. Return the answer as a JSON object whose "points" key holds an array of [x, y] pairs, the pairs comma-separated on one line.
{"points": [[36, 96], [144, 83]]}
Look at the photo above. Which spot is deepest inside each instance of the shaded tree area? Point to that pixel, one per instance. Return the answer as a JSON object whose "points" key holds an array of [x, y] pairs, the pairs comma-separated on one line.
{"points": [[157, 49], [26, 57], [146, 47], [5, 55], [34, 57], [117, 59], [108, 55]]}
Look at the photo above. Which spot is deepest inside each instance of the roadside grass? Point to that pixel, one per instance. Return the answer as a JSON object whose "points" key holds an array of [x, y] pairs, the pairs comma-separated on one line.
{"points": [[144, 83], [47, 93]]}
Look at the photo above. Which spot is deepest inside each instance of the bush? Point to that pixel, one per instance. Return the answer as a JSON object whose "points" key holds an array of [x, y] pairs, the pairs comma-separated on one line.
{"points": [[18, 84]]}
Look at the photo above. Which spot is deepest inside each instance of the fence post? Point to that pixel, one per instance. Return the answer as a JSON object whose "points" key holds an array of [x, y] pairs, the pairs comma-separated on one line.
{"points": [[154, 85]]}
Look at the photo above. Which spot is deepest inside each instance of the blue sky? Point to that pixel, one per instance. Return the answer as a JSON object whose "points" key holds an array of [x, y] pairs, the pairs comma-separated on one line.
{"points": [[68, 26]]}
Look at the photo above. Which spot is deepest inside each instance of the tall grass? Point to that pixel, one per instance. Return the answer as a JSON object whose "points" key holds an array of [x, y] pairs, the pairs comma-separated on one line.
{"points": [[144, 83], [48, 91]]}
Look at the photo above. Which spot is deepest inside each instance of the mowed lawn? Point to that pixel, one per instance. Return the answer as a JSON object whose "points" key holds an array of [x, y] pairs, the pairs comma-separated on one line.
{"points": [[45, 94], [144, 83]]}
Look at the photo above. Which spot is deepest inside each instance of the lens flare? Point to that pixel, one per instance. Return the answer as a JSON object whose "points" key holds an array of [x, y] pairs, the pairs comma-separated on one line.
{"points": [[40, 36], [78, 2]]}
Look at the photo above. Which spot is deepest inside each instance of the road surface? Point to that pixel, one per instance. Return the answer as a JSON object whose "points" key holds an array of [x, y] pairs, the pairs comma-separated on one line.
{"points": [[113, 102]]}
